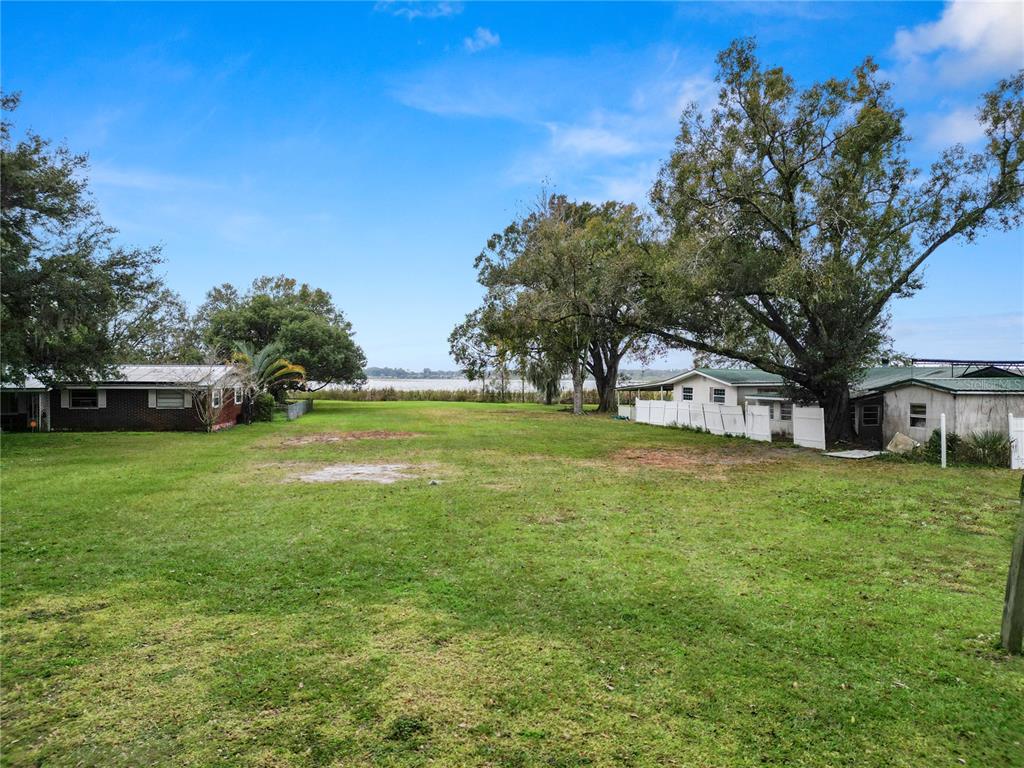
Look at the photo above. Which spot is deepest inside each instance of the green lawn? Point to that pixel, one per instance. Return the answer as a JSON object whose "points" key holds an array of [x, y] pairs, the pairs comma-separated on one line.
{"points": [[573, 591]]}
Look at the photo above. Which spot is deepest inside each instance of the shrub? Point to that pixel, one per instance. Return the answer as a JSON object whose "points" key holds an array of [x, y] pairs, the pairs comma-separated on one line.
{"points": [[987, 449], [990, 448], [263, 407]]}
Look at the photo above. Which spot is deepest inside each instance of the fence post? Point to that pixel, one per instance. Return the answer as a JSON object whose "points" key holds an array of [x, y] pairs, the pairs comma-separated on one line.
{"points": [[1012, 635], [942, 435]]}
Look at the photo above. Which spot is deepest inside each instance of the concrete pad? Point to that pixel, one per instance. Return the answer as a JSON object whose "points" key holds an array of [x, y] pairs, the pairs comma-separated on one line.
{"points": [[854, 454]]}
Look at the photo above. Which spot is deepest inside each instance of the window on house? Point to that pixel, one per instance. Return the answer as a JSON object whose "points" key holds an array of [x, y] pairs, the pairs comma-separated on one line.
{"points": [[238, 395], [84, 398], [870, 415], [687, 393], [170, 398], [217, 399], [717, 395], [786, 411], [918, 415]]}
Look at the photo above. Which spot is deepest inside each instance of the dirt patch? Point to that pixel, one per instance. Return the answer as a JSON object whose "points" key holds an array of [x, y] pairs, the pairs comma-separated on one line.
{"points": [[344, 437], [702, 458], [374, 473]]}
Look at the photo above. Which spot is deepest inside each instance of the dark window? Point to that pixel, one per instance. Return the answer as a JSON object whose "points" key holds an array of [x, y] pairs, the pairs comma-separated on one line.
{"points": [[918, 415], [786, 411], [718, 395], [869, 415], [170, 398], [687, 393], [84, 398]]}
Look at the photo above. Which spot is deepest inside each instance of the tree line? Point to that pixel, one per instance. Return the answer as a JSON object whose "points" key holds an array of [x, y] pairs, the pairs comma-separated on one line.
{"points": [[781, 227], [74, 302]]}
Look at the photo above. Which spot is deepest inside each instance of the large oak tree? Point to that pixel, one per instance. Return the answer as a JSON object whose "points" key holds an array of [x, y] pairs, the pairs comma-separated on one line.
{"points": [[309, 329], [795, 218], [563, 289], [73, 302]]}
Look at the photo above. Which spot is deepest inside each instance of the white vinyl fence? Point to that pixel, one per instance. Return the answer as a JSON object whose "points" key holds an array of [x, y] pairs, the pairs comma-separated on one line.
{"points": [[1016, 442], [753, 422], [809, 427]]}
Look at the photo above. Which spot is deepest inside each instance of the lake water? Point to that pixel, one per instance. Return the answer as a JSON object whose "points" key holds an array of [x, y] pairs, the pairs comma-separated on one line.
{"points": [[418, 385]]}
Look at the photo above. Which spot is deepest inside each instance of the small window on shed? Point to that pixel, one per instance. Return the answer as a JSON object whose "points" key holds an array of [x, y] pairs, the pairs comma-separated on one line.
{"points": [[170, 398], [238, 395], [717, 395], [786, 411], [84, 398], [869, 415], [218, 398], [687, 393], [918, 415]]}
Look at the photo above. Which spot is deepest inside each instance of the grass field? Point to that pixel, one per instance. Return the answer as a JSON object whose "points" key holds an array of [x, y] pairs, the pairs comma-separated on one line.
{"points": [[571, 592]]}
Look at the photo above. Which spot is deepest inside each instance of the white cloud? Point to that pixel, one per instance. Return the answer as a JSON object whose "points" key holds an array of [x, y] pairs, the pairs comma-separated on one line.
{"points": [[104, 175], [960, 126], [418, 10], [482, 39], [590, 140], [970, 40], [587, 141]]}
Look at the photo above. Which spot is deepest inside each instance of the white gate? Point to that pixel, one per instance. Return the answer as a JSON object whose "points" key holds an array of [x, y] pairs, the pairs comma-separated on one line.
{"points": [[809, 427], [758, 425], [1016, 442]]}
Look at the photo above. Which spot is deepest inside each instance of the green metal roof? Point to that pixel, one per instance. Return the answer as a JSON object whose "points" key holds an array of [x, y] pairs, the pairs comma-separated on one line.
{"points": [[995, 384], [741, 376]]}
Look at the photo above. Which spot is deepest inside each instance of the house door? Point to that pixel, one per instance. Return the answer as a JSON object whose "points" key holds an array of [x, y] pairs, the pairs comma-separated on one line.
{"points": [[869, 424]]}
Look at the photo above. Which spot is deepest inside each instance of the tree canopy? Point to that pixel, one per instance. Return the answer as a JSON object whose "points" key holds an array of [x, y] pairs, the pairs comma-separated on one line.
{"points": [[562, 291], [794, 218], [72, 301], [303, 321]]}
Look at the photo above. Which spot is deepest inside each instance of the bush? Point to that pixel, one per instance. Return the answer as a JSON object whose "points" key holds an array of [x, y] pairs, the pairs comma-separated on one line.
{"points": [[990, 448], [986, 449], [263, 407]]}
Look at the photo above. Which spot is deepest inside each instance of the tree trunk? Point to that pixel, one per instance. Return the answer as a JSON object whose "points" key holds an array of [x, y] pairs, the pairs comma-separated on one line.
{"points": [[606, 386], [577, 387], [552, 388], [835, 401]]}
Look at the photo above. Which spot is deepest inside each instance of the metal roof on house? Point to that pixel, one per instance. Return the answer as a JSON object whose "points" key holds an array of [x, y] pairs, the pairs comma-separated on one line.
{"points": [[153, 375], [997, 385], [732, 376]]}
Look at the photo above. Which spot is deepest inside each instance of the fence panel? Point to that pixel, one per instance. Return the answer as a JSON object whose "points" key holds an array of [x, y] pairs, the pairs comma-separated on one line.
{"points": [[683, 414], [713, 418], [732, 420], [1016, 442], [758, 425], [809, 427], [658, 413], [697, 420], [643, 411]]}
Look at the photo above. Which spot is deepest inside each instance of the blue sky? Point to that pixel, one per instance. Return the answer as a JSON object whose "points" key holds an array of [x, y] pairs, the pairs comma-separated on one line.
{"points": [[370, 149]]}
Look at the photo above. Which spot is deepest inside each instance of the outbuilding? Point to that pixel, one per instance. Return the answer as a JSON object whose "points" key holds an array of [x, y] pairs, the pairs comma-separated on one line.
{"points": [[911, 400]]}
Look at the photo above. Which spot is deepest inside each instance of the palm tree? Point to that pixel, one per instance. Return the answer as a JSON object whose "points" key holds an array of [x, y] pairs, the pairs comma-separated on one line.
{"points": [[265, 369]]}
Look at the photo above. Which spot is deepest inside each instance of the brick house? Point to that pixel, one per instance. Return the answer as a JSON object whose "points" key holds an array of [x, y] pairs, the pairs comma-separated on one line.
{"points": [[137, 398]]}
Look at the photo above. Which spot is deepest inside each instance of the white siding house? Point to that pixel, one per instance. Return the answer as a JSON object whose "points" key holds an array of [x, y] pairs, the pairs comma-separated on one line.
{"points": [[728, 386]]}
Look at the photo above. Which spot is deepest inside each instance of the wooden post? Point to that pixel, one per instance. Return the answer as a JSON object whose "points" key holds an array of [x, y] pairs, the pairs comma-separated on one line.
{"points": [[1012, 636], [942, 435]]}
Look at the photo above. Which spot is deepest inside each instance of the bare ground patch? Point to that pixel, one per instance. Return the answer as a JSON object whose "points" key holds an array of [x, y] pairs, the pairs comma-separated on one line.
{"points": [[320, 438], [712, 460], [374, 473]]}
